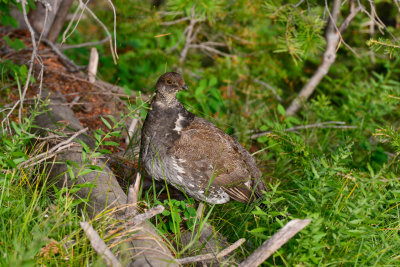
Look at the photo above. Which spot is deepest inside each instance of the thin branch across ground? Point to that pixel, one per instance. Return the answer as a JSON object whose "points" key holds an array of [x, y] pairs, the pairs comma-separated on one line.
{"points": [[333, 36]]}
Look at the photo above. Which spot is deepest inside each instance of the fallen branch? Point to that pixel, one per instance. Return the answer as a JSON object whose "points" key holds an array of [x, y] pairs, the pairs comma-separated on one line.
{"points": [[66, 47], [138, 219], [142, 246], [55, 149], [99, 246], [168, 23], [332, 40], [274, 243], [133, 193], [132, 128], [210, 256], [68, 63], [326, 124]]}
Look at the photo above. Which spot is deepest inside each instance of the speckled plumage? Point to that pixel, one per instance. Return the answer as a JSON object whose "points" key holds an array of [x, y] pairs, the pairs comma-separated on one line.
{"points": [[192, 154]]}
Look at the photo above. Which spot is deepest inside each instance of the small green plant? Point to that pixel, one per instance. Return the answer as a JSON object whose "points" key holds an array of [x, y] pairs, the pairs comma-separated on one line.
{"points": [[176, 213], [16, 44]]}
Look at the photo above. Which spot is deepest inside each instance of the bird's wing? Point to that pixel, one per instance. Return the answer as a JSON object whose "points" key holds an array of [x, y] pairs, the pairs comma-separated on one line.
{"points": [[209, 155]]}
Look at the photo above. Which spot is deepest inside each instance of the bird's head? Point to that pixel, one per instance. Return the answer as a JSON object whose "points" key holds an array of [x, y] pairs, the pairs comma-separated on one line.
{"points": [[169, 84]]}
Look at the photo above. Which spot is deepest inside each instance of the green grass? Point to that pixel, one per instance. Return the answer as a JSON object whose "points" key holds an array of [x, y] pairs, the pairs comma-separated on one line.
{"points": [[345, 180], [312, 173]]}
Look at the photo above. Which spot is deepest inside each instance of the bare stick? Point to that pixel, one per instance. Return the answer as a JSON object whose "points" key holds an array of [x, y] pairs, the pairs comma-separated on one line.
{"points": [[47, 8], [56, 148], [397, 5], [189, 36], [59, 20], [32, 61], [65, 36], [200, 210], [99, 246], [210, 256], [210, 49], [274, 243], [115, 27], [372, 28], [326, 124], [60, 149], [348, 19], [332, 41], [67, 62], [376, 19], [132, 128], [113, 50], [65, 47], [168, 23], [93, 63], [268, 86], [132, 199], [179, 41], [138, 219]]}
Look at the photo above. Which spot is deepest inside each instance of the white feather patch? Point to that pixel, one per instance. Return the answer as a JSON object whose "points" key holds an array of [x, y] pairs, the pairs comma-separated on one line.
{"points": [[178, 126]]}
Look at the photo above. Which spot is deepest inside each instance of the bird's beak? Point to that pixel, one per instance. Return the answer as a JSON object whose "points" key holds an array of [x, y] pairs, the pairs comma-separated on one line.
{"points": [[185, 87]]}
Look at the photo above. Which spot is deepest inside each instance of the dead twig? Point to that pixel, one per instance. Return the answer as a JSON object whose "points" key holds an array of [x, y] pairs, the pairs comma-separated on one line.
{"points": [[81, 8], [375, 18], [112, 47], [210, 256], [93, 63], [132, 128], [326, 124], [268, 86], [115, 28], [66, 47], [133, 193], [332, 40], [274, 243], [202, 46], [99, 246], [69, 64], [59, 20], [56, 149], [189, 36], [168, 23], [372, 28], [138, 219], [32, 62]]}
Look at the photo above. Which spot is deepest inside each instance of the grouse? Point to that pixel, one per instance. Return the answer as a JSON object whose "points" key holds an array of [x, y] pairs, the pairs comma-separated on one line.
{"points": [[192, 154]]}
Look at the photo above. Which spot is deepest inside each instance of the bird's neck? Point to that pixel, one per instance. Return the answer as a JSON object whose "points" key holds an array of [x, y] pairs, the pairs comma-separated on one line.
{"points": [[166, 100]]}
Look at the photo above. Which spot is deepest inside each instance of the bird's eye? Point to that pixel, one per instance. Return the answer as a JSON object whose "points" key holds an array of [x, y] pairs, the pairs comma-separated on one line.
{"points": [[169, 81]]}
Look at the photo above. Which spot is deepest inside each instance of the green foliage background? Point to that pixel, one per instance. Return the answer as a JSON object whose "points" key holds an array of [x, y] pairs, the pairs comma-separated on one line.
{"points": [[345, 180]]}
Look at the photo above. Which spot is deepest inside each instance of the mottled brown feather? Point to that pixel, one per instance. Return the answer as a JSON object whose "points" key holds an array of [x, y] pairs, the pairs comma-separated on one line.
{"points": [[229, 165]]}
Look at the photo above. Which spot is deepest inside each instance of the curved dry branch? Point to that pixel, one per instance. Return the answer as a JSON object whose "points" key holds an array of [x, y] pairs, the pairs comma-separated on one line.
{"points": [[332, 40], [210, 256], [99, 246], [274, 243]]}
